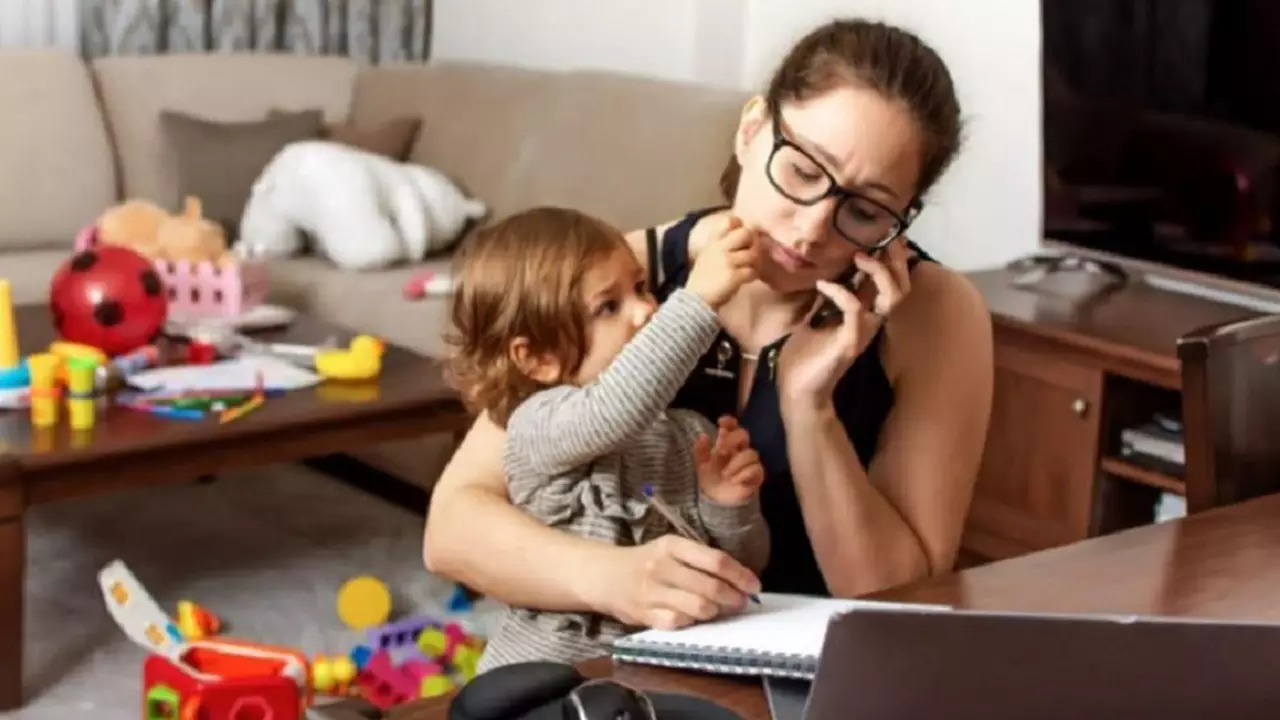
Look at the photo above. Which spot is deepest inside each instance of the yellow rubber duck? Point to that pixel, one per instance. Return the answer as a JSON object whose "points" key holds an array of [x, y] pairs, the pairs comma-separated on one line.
{"points": [[361, 360]]}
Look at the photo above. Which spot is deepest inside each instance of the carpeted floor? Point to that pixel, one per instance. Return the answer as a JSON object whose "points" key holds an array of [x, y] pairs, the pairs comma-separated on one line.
{"points": [[266, 550]]}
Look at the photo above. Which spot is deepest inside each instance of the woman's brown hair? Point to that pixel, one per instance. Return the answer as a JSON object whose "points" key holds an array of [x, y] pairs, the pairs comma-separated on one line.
{"points": [[521, 277], [880, 57]]}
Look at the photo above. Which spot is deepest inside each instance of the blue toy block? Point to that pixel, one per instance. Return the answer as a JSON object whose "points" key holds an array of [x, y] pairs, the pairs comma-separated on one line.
{"points": [[461, 600], [360, 655]]}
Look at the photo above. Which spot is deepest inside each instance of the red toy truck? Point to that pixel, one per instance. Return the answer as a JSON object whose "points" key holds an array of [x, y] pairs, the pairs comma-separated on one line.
{"points": [[224, 680], [205, 679]]}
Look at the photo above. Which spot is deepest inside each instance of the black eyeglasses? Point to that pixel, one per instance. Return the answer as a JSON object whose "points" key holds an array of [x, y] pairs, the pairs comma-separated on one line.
{"points": [[800, 178], [602, 699]]}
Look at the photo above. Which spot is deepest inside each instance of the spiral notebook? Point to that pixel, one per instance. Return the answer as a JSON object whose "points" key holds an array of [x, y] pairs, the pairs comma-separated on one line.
{"points": [[780, 637]]}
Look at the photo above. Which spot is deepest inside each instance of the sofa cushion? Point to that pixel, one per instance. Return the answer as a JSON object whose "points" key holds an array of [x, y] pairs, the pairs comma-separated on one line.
{"points": [[633, 151], [30, 271], [218, 162], [366, 302], [58, 171], [478, 121], [135, 90]]}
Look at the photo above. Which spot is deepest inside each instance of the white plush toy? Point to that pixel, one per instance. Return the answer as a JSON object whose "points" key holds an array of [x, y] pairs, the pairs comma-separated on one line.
{"points": [[363, 210]]}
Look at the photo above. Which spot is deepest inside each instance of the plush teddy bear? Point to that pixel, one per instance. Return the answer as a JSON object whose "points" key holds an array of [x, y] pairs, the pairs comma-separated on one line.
{"points": [[134, 224], [362, 210], [190, 236]]}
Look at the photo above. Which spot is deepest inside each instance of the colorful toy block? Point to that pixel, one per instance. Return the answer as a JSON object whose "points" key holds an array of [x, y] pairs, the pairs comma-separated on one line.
{"points": [[398, 634]]}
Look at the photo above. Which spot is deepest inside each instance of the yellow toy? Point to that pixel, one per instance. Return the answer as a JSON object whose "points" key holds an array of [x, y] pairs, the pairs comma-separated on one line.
{"points": [[332, 675], [196, 623], [8, 328], [134, 224], [44, 388], [362, 360], [364, 602], [193, 238]]}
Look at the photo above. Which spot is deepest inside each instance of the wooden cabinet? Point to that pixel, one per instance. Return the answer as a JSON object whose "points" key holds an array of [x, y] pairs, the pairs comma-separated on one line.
{"points": [[1070, 375], [1044, 426]]}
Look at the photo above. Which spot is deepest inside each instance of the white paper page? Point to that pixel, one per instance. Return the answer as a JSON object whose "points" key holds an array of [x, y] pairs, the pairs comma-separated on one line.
{"points": [[235, 374], [785, 624]]}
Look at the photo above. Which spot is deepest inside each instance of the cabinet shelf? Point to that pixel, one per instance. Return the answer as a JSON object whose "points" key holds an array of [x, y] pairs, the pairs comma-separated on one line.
{"points": [[1143, 476]]}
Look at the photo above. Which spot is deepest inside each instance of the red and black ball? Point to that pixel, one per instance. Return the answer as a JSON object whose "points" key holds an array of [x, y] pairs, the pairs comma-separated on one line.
{"points": [[110, 298]]}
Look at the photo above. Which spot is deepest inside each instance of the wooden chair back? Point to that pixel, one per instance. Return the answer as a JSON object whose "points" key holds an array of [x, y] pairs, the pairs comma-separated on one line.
{"points": [[1231, 411]]}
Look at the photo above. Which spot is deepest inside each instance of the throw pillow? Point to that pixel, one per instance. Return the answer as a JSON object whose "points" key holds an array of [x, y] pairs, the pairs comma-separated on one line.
{"points": [[218, 162], [393, 139]]}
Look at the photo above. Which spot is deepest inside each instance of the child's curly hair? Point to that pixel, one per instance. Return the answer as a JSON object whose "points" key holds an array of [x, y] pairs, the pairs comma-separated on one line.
{"points": [[521, 277]]}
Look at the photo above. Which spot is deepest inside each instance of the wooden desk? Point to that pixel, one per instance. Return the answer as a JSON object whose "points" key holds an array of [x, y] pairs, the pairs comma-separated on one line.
{"points": [[1221, 564]]}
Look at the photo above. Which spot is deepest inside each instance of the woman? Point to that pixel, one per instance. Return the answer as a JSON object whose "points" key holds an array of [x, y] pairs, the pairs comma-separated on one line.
{"points": [[870, 427]]}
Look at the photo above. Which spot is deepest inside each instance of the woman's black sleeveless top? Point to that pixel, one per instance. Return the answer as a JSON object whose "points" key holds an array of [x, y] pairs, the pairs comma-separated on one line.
{"points": [[863, 398]]}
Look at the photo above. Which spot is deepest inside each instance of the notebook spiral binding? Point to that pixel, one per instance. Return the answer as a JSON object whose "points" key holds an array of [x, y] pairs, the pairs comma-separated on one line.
{"points": [[718, 659]]}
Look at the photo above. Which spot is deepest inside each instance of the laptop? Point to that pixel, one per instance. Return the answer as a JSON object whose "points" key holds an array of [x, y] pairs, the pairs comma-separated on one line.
{"points": [[902, 664]]}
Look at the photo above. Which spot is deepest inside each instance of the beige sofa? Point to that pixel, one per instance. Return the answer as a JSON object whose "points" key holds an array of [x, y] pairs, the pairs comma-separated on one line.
{"points": [[76, 138]]}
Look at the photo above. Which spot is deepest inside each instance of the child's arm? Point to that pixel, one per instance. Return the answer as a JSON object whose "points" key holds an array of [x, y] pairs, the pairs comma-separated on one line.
{"points": [[567, 427], [739, 530]]}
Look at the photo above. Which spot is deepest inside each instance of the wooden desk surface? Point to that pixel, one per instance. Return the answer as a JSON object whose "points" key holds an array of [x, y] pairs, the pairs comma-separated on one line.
{"points": [[1219, 564]]}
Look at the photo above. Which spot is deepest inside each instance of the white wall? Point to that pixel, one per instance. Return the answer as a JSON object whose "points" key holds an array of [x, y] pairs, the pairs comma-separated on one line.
{"points": [[39, 24], [985, 212]]}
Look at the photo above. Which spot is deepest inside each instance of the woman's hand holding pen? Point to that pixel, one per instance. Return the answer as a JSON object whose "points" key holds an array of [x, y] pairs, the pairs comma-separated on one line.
{"points": [[671, 582]]}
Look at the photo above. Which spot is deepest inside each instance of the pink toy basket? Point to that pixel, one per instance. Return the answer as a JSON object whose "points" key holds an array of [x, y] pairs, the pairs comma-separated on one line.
{"points": [[203, 289]]}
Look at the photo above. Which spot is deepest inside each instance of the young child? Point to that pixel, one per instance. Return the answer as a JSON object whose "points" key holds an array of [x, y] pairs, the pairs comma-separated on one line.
{"points": [[558, 338]]}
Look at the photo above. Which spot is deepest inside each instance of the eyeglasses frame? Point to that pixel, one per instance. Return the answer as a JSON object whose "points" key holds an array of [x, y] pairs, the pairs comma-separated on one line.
{"points": [[842, 194]]}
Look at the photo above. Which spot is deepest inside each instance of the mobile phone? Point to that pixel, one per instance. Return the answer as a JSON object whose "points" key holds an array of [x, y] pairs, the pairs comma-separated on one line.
{"points": [[828, 312]]}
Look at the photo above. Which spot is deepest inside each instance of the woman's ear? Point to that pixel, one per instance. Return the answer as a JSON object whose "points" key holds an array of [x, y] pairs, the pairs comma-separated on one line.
{"points": [[754, 116], [543, 368]]}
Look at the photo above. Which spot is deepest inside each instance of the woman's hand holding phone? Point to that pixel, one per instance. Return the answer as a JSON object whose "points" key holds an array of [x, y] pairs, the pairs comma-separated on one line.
{"points": [[819, 352]]}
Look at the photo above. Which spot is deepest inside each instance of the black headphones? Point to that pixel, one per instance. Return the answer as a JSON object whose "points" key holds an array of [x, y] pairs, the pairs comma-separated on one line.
{"points": [[556, 691]]}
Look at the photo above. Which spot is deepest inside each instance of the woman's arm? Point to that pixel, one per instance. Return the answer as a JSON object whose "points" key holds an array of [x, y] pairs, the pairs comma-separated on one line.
{"points": [[475, 536], [901, 519]]}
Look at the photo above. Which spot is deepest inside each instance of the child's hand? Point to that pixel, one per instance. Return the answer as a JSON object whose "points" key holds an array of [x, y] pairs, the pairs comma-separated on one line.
{"points": [[724, 265], [729, 473]]}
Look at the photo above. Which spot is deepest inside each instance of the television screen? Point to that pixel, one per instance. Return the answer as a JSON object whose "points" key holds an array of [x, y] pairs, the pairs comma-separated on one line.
{"points": [[1162, 131]]}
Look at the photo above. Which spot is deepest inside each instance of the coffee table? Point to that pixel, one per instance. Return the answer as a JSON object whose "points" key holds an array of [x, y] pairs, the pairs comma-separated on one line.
{"points": [[128, 449]]}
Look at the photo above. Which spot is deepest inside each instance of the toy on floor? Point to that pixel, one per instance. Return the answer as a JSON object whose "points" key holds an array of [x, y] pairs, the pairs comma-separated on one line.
{"points": [[462, 599], [189, 675], [185, 678], [195, 622], [364, 602]]}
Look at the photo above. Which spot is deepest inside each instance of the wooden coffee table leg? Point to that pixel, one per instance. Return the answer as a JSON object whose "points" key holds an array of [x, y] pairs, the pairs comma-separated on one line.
{"points": [[13, 557]]}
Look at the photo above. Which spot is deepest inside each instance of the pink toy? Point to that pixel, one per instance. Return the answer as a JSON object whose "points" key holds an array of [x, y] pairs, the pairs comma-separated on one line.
{"points": [[203, 289], [385, 685], [428, 284]]}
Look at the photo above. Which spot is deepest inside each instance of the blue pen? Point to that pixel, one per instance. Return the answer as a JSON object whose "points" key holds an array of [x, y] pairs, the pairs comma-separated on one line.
{"points": [[676, 521]]}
